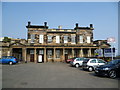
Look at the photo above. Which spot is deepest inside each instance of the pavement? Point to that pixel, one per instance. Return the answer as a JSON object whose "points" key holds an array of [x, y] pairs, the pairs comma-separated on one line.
{"points": [[52, 75]]}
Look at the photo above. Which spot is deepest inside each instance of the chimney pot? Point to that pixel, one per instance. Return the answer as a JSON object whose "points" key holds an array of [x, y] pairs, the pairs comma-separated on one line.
{"points": [[76, 25], [91, 25], [45, 24], [59, 27], [29, 23]]}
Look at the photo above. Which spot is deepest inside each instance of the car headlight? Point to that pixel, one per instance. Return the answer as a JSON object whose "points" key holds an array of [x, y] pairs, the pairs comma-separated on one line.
{"points": [[106, 68]]}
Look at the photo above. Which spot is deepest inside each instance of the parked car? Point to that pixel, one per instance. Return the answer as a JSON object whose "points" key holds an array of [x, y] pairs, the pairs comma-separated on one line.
{"points": [[70, 59], [91, 64], [8, 59], [77, 62], [111, 69]]}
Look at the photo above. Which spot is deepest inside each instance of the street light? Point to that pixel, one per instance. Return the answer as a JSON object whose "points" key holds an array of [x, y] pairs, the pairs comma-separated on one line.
{"points": [[111, 40]]}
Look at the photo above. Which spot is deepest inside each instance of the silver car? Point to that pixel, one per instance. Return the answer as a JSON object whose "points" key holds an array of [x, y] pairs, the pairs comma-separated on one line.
{"points": [[91, 64], [77, 62]]}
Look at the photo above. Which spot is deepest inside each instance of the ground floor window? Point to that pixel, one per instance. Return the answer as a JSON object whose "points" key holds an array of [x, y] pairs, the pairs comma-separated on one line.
{"points": [[49, 53], [41, 52], [57, 53]]}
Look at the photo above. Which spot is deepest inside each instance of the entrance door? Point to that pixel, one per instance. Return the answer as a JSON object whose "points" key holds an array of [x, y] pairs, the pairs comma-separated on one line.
{"points": [[40, 58], [31, 57], [66, 57]]}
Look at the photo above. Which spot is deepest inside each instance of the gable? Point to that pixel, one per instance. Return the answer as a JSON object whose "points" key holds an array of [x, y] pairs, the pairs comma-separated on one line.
{"points": [[17, 44]]}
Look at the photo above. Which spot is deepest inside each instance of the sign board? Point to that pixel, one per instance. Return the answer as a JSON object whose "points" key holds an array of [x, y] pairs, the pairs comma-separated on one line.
{"points": [[99, 53], [111, 40], [108, 52]]}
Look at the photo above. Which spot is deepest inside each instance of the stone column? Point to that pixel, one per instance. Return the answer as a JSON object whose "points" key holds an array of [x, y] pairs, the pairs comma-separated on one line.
{"points": [[35, 56], [89, 52], [11, 50], [63, 54], [54, 54], [72, 52], [81, 52], [45, 55], [24, 54]]}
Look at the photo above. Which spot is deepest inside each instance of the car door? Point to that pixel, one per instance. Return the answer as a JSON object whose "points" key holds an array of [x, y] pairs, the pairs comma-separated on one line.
{"points": [[93, 62], [81, 61], [6, 59], [118, 67]]}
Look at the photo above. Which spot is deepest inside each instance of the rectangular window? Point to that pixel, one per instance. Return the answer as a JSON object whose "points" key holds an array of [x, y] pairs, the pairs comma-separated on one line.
{"points": [[41, 38], [73, 39], [57, 53], [49, 39], [41, 52], [31, 51], [57, 39], [32, 37], [49, 52], [65, 39], [81, 39], [88, 39]]}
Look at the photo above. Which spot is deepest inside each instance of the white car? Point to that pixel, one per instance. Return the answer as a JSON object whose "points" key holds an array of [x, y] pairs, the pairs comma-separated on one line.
{"points": [[77, 62], [91, 64]]}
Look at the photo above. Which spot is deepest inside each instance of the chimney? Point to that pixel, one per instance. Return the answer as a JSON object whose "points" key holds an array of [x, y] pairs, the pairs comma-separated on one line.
{"points": [[91, 25], [29, 23], [76, 25], [45, 24]]}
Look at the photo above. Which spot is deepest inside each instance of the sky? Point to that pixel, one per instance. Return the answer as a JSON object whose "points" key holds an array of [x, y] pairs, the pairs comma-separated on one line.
{"points": [[103, 16]]}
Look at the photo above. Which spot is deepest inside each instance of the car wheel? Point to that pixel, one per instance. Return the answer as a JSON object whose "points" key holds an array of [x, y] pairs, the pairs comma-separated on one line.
{"points": [[10, 63], [90, 69], [112, 74], [76, 65]]}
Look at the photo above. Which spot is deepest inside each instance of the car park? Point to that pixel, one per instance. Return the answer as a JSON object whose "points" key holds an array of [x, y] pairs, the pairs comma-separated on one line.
{"points": [[77, 62], [92, 63], [8, 60], [111, 69]]}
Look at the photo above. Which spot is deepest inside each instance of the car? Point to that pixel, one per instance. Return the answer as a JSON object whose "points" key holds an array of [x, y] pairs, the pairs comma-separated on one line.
{"points": [[111, 69], [9, 60], [91, 63], [70, 59], [77, 62]]}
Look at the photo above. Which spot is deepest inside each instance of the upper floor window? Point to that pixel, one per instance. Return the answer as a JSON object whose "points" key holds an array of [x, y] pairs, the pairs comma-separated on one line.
{"points": [[32, 37], [65, 39], [88, 39], [81, 38], [41, 38], [57, 39], [49, 38], [73, 39]]}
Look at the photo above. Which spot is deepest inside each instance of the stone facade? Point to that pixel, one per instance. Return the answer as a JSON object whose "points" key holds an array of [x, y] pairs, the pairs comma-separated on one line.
{"points": [[44, 44]]}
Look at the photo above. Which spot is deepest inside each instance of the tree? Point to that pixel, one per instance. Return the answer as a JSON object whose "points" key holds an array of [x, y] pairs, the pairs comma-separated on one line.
{"points": [[6, 39]]}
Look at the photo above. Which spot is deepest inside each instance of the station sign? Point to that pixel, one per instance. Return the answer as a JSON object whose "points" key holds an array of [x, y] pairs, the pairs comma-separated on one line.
{"points": [[111, 40], [108, 52]]}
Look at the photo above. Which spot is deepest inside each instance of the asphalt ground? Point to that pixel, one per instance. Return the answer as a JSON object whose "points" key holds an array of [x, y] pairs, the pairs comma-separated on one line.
{"points": [[52, 75]]}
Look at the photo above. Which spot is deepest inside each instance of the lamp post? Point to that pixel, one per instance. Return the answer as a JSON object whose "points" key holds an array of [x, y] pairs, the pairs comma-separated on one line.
{"points": [[111, 40]]}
